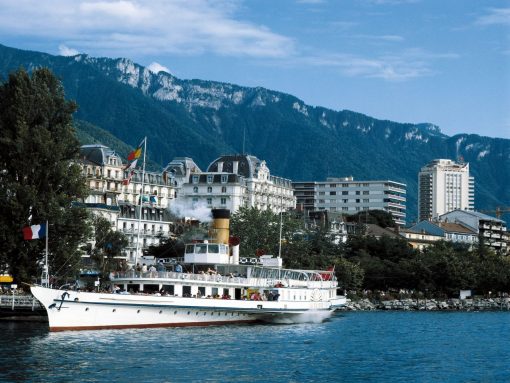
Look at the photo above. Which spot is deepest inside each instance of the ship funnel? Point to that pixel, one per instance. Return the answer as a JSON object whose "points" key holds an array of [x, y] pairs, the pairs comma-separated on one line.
{"points": [[220, 227]]}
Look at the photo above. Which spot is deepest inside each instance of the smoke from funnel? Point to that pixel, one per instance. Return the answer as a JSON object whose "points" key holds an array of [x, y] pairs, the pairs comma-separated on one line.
{"points": [[197, 210]]}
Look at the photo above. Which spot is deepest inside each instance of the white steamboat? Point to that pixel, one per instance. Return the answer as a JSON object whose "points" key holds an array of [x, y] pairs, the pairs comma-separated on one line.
{"points": [[212, 286]]}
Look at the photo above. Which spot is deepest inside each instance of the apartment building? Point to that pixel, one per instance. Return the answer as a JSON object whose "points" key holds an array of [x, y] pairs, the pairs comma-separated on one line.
{"points": [[349, 196]]}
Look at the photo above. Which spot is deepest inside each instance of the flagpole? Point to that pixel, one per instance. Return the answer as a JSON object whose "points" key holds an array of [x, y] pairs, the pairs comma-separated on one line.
{"points": [[46, 258], [140, 203]]}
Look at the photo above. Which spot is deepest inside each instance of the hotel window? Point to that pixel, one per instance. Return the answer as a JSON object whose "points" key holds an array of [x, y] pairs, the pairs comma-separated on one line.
{"points": [[223, 189], [195, 189], [209, 201], [223, 201], [209, 179], [345, 193], [224, 178], [209, 189], [195, 179]]}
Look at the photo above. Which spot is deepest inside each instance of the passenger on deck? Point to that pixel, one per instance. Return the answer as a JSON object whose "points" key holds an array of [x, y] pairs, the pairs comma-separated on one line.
{"points": [[178, 268]]}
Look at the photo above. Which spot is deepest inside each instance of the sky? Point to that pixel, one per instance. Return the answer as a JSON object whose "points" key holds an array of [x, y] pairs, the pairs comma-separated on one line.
{"points": [[445, 62]]}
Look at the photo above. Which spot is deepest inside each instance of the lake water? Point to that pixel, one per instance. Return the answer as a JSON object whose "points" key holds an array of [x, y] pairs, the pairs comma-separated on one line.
{"points": [[350, 347]]}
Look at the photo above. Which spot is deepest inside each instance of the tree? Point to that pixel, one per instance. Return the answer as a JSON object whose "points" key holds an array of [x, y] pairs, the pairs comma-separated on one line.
{"points": [[379, 217], [39, 177], [107, 247]]}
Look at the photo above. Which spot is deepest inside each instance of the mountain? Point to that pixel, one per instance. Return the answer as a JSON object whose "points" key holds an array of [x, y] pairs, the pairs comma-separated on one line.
{"points": [[204, 119]]}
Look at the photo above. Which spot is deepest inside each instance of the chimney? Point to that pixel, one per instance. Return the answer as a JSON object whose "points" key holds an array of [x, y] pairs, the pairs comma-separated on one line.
{"points": [[220, 226], [235, 166], [220, 166]]}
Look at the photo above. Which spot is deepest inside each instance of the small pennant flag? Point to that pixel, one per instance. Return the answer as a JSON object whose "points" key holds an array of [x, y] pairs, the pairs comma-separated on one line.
{"points": [[136, 153], [132, 165], [34, 232]]}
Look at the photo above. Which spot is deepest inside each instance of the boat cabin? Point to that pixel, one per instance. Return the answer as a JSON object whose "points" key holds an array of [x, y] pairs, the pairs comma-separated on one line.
{"points": [[207, 253]]}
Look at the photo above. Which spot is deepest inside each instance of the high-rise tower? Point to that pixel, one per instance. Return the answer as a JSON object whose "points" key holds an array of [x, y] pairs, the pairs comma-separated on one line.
{"points": [[443, 186]]}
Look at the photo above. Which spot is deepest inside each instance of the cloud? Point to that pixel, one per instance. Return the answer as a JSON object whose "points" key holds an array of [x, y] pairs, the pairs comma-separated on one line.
{"points": [[387, 38], [394, 2], [118, 27], [495, 16], [157, 67], [310, 1], [409, 64], [66, 51]]}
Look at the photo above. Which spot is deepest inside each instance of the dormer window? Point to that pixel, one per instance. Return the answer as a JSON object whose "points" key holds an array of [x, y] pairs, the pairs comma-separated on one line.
{"points": [[210, 178], [224, 178], [195, 179]]}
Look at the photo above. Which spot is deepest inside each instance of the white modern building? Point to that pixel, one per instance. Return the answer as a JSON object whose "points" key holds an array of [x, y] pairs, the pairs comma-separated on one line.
{"points": [[443, 186], [349, 196]]}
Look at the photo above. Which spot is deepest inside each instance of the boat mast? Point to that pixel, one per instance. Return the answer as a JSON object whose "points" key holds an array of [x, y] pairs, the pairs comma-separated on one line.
{"points": [[140, 203], [46, 273], [281, 224]]}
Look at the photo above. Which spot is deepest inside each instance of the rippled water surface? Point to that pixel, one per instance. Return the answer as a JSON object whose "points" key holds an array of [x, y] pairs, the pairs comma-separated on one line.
{"points": [[350, 347]]}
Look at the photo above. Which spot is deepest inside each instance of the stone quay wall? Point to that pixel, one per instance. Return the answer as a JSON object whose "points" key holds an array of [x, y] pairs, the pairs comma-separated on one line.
{"points": [[409, 304]]}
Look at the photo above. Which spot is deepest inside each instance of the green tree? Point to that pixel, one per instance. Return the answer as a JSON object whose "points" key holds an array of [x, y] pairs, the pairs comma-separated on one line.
{"points": [[108, 245], [378, 217], [39, 177]]}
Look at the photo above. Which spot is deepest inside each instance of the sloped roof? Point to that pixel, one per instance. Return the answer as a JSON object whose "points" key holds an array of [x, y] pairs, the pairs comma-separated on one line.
{"points": [[96, 154], [477, 214], [247, 164]]}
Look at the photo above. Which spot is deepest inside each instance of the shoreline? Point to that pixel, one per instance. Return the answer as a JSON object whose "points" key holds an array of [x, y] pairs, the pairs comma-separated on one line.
{"points": [[432, 304]]}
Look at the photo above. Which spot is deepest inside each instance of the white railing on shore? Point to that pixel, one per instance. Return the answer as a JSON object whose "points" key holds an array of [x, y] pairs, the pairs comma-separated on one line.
{"points": [[19, 301]]}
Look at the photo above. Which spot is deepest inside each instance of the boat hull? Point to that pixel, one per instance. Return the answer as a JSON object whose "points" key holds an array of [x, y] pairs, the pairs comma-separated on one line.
{"points": [[71, 310]]}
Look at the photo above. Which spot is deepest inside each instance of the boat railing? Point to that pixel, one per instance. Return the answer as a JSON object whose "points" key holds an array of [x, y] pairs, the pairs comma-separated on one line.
{"points": [[182, 276], [226, 279]]}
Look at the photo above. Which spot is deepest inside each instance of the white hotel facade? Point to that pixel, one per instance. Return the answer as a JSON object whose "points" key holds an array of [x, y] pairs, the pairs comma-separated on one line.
{"points": [[235, 181]]}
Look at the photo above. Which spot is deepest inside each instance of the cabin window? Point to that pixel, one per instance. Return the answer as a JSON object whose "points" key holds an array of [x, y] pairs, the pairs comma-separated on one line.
{"points": [[214, 291], [214, 249], [169, 289], [201, 289], [186, 291], [190, 249], [201, 248], [150, 289]]}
